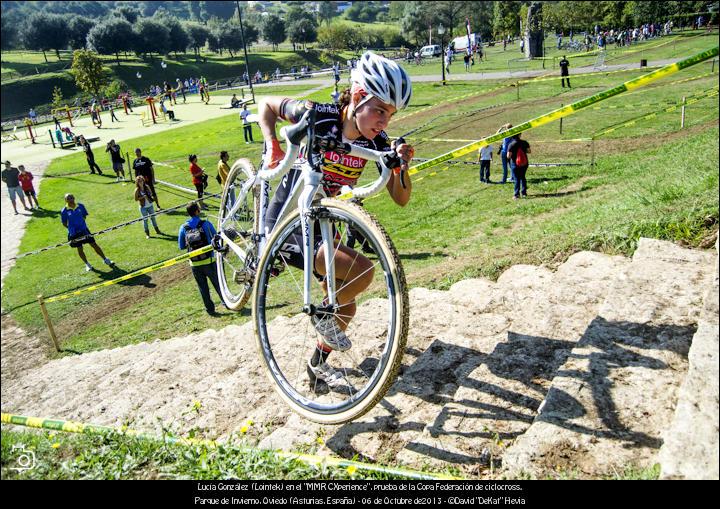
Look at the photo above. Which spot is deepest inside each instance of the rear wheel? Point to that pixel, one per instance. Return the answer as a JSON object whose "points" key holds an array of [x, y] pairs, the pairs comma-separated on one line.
{"points": [[236, 269]]}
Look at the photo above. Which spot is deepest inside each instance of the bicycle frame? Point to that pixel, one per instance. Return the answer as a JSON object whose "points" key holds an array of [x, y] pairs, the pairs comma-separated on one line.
{"points": [[305, 191]]}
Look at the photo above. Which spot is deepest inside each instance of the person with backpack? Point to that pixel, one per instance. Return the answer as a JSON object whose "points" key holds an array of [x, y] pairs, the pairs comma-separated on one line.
{"points": [[194, 234], [517, 155]]}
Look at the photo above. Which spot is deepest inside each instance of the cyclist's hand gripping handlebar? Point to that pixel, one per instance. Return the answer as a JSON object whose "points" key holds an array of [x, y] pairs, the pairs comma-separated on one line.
{"points": [[294, 136]]}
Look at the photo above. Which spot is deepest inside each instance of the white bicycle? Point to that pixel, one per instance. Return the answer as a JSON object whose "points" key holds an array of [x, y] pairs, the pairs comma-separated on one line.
{"points": [[254, 262]]}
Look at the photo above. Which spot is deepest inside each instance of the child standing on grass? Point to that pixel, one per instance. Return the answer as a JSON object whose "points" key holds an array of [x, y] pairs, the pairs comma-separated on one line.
{"points": [[485, 158], [26, 179], [199, 179]]}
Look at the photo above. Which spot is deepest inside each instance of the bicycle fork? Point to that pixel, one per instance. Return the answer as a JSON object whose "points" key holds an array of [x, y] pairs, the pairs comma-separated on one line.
{"points": [[313, 181]]}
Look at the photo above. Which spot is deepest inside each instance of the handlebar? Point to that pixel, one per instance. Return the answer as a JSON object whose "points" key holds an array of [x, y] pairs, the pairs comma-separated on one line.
{"points": [[296, 134]]}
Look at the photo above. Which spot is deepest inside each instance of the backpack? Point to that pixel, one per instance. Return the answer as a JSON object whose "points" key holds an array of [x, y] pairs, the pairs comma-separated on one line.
{"points": [[520, 157], [195, 238]]}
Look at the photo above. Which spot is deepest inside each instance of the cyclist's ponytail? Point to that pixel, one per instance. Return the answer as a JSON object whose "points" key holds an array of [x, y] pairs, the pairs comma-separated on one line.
{"points": [[345, 98]]}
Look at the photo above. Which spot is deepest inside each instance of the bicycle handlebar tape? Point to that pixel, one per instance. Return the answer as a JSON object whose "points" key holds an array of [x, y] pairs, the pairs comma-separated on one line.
{"points": [[295, 134]]}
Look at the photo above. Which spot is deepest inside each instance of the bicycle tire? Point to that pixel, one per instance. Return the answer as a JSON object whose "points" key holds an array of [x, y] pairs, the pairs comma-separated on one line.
{"points": [[236, 291], [395, 337]]}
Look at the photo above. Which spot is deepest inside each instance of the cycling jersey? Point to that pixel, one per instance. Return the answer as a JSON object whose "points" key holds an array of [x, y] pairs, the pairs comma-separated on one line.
{"points": [[338, 170]]}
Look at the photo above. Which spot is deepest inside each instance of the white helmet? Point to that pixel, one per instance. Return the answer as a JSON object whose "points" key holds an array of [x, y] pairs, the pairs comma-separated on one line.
{"points": [[384, 79]]}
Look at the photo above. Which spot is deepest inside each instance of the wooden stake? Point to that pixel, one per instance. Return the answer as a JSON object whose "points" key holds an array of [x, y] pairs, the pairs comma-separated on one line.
{"points": [[682, 115], [49, 324]]}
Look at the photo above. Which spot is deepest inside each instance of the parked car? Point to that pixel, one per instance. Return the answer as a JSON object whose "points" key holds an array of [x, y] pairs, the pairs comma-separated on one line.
{"points": [[430, 51]]}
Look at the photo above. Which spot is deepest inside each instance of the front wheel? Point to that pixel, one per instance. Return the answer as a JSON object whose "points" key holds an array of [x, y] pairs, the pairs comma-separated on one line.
{"points": [[286, 335]]}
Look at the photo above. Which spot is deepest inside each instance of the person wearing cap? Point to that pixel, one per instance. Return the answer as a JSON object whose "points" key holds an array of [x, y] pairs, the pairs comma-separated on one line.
{"points": [[11, 177], [380, 87], [73, 217]]}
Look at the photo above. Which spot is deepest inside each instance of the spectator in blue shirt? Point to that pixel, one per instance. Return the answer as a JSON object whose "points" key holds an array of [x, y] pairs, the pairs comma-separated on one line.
{"points": [[194, 234], [73, 218], [503, 153]]}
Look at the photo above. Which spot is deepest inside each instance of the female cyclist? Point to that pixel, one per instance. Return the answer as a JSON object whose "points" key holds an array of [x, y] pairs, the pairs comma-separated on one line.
{"points": [[380, 88]]}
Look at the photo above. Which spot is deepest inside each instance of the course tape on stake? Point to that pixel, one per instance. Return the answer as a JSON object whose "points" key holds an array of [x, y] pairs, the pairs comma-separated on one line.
{"points": [[675, 107], [78, 427], [146, 270], [568, 110]]}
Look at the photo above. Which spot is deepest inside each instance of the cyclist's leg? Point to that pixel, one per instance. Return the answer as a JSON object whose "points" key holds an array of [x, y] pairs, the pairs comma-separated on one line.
{"points": [[353, 274]]}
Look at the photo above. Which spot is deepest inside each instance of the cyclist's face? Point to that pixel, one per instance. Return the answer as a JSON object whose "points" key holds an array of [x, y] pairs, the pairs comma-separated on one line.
{"points": [[373, 117]]}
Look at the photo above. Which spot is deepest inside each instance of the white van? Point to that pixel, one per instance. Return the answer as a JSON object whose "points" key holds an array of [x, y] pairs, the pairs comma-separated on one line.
{"points": [[430, 51]]}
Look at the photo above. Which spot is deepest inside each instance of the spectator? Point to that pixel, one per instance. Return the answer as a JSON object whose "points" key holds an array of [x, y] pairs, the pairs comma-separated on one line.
{"points": [[33, 116], [223, 168], [73, 217], [448, 59], [194, 234], [57, 122], [113, 118], [10, 175], [167, 111], [26, 179], [89, 156], [181, 88], [199, 179], [517, 154], [247, 126], [168, 92], [564, 73], [234, 101], [116, 159], [143, 167], [503, 153], [144, 197], [466, 59], [485, 158]]}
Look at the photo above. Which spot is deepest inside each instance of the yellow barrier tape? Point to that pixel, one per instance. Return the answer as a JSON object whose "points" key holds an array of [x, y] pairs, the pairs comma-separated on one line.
{"points": [[654, 114], [569, 109], [78, 427], [146, 270]]}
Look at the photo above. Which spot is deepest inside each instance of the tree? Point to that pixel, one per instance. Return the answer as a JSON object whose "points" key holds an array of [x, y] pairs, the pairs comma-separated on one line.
{"points": [[297, 12], [223, 10], [78, 28], [88, 71], [327, 11], [45, 32], [197, 37], [416, 20], [151, 37], [130, 14], [57, 97], [334, 37], [179, 38], [111, 37], [506, 18], [302, 32], [9, 34], [273, 30]]}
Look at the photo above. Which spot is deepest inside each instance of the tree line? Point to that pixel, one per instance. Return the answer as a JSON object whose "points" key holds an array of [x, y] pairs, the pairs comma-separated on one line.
{"points": [[148, 28]]}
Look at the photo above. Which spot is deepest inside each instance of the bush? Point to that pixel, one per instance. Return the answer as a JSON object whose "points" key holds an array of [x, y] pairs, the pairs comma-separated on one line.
{"points": [[114, 89]]}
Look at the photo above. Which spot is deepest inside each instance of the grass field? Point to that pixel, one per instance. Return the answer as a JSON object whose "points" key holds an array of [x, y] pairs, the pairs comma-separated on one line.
{"points": [[63, 456]]}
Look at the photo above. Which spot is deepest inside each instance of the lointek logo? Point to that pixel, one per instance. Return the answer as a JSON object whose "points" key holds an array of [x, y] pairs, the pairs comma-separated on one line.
{"points": [[345, 160]]}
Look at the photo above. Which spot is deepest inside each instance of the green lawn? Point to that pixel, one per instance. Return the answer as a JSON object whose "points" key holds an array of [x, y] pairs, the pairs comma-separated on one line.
{"points": [[650, 179], [113, 456]]}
